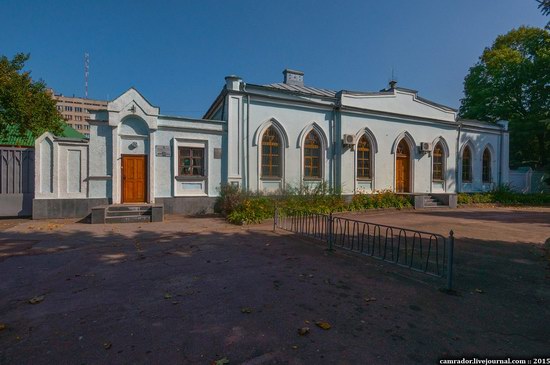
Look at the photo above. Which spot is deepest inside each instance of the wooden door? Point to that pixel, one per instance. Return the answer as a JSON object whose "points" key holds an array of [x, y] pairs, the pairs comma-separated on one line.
{"points": [[402, 168], [134, 179]]}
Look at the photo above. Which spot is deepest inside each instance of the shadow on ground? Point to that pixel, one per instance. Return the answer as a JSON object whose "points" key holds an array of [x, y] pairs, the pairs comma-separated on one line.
{"points": [[192, 291]]}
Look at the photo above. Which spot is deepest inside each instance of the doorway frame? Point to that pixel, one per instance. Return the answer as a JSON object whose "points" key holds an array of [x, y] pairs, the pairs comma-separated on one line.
{"points": [[146, 179], [412, 148]]}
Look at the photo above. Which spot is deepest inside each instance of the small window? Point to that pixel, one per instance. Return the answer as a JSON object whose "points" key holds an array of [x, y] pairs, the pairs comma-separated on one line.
{"points": [[78, 109], [467, 165], [364, 158], [191, 161], [437, 158], [68, 108], [486, 173], [312, 156], [271, 154]]}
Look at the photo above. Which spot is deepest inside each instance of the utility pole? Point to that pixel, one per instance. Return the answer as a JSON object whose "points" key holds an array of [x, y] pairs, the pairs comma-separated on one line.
{"points": [[86, 73]]}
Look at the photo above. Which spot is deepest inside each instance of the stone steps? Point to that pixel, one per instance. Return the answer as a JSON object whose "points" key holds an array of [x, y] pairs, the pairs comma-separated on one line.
{"points": [[431, 202], [137, 213]]}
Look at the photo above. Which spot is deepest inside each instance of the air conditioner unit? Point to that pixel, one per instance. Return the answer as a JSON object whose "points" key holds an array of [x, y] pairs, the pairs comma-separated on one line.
{"points": [[349, 139], [425, 147]]}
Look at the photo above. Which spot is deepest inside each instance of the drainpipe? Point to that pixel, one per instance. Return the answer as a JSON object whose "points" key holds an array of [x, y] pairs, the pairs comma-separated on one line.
{"points": [[246, 147], [500, 157], [458, 184]]}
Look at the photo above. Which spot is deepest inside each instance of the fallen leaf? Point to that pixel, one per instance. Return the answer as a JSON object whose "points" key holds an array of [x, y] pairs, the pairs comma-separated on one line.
{"points": [[324, 325], [36, 299], [2, 326], [480, 291], [107, 345], [370, 299], [222, 361], [303, 331], [294, 347], [246, 310], [167, 296]]}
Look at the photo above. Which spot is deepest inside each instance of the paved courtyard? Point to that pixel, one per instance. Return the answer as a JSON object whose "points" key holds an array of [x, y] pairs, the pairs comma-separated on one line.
{"points": [[197, 290]]}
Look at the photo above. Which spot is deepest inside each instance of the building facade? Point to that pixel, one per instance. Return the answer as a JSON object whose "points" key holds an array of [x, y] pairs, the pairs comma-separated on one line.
{"points": [[76, 111], [265, 138]]}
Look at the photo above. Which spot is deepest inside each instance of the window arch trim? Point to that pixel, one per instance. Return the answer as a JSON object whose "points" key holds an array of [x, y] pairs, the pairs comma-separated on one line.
{"points": [[264, 126]]}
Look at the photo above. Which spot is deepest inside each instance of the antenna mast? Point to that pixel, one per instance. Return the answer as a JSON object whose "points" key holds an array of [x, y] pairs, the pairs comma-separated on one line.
{"points": [[86, 73]]}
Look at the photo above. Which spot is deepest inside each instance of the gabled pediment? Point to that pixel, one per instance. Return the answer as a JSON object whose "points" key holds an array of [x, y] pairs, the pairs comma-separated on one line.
{"points": [[132, 103], [132, 97], [398, 101]]}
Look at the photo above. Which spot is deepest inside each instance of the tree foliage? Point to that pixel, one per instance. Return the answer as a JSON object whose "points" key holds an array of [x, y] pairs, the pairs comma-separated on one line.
{"points": [[511, 82], [544, 6], [25, 103]]}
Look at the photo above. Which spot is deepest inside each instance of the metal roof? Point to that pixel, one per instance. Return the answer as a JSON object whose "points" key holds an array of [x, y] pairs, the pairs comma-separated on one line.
{"points": [[302, 89], [12, 136]]}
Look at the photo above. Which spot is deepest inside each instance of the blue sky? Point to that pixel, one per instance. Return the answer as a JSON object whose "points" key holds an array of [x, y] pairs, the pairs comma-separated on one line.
{"points": [[177, 53]]}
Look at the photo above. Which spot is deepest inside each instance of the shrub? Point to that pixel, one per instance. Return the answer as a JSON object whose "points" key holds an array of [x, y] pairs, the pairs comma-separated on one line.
{"points": [[229, 199], [381, 199], [251, 210], [504, 195], [319, 199]]}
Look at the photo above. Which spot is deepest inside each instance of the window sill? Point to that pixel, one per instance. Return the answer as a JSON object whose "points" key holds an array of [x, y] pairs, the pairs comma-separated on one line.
{"points": [[190, 178], [364, 179], [312, 179], [270, 178]]}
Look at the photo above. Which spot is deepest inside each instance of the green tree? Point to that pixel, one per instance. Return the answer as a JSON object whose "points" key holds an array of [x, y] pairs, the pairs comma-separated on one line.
{"points": [[544, 6], [25, 103], [511, 81]]}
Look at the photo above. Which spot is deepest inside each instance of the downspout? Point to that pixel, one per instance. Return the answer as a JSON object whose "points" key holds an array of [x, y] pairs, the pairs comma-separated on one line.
{"points": [[336, 160], [500, 154], [457, 164], [247, 141]]}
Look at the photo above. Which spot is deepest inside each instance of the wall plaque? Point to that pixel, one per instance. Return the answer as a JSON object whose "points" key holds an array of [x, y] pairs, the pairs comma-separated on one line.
{"points": [[163, 151], [217, 153]]}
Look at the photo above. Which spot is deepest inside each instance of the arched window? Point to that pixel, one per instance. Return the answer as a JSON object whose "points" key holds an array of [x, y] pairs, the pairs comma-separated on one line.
{"points": [[438, 158], [312, 155], [467, 165], [486, 166], [364, 170], [271, 153]]}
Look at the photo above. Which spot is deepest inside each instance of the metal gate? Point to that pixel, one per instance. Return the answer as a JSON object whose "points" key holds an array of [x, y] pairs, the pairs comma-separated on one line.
{"points": [[16, 181], [426, 252]]}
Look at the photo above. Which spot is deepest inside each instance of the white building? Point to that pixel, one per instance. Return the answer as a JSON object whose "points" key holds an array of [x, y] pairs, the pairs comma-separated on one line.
{"points": [[265, 137]]}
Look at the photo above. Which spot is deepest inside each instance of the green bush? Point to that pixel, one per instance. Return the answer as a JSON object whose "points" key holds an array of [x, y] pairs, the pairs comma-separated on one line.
{"points": [[382, 199], [245, 208], [319, 199], [229, 199], [504, 195], [252, 210]]}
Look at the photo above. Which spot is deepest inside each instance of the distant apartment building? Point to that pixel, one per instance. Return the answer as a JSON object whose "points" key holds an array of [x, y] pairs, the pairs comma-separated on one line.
{"points": [[76, 110]]}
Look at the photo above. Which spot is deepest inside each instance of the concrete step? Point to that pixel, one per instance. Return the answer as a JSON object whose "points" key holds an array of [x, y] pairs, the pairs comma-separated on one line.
{"points": [[128, 219], [431, 202], [120, 213], [127, 208]]}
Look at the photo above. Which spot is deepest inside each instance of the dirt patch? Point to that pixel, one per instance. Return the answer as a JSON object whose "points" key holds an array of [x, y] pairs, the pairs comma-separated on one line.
{"points": [[196, 290]]}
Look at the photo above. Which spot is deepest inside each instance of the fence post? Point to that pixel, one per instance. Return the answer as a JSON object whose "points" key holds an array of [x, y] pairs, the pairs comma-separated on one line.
{"points": [[275, 218], [451, 244], [330, 235]]}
